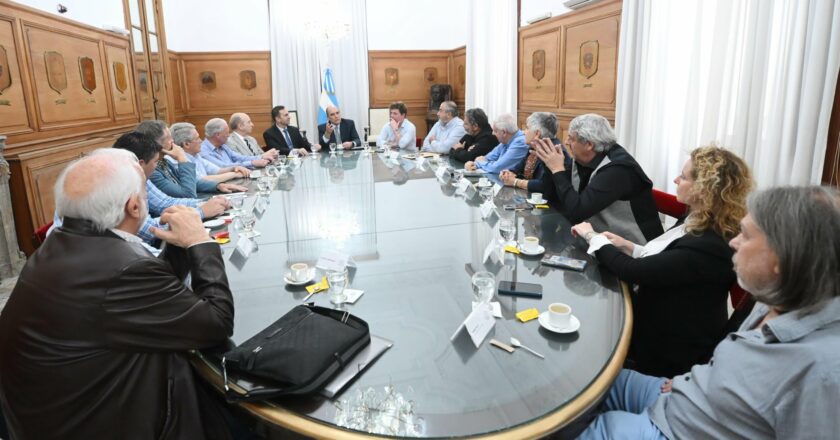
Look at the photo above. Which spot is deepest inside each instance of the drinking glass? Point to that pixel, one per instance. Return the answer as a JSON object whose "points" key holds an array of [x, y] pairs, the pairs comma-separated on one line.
{"points": [[248, 220], [264, 185], [282, 161], [457, 176], [236, 205], [507, 229], [486, 192], [337, 281], [333, 146], [483, 286], [315, 147]]}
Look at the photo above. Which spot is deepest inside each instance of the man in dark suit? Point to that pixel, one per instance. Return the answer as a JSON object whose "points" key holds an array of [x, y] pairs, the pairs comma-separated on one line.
{"points": [[338, 130], [94, 337], [284, 137]]}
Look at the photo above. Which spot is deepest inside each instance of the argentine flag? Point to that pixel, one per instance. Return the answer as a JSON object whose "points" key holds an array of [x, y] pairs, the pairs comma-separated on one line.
{"points": [[327, 97]]}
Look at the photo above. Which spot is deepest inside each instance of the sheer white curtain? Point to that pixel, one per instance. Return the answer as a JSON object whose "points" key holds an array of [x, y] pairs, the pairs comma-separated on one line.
{"points": [[491, 56], [755, 76], [298, 60]]}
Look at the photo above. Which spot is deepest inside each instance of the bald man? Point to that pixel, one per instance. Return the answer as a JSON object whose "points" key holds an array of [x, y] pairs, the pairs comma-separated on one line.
{"points": [[338, 130], [112, 360], [240, 139]]}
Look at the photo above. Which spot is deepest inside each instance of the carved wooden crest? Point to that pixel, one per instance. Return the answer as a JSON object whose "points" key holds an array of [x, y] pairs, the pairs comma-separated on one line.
{"points": [[538, 64], [207, 81], [5, 75], [392, 76], [247, 79], [88, 74], [462, 74], [120, 77], [56, 74], [588, 62], [430, 74]]}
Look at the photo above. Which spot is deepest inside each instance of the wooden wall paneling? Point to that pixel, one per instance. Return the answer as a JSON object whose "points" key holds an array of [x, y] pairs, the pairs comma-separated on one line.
{"points": [[260, 116], [123, 102], [539, 73], [144, 84], [14, 108], [159, 84], [225, 93], [591, 63], [458, 76], [33, 177], [64, 102], [176, 85]]}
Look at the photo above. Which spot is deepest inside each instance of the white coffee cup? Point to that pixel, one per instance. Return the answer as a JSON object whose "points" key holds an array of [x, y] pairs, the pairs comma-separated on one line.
{"points": [[530, 244], [300, 271], [559, 315], [483, 181], [536, 197]]}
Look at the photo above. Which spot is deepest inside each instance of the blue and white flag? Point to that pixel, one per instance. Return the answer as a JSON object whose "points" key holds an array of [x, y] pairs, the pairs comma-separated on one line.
{"points": [[327, 96]]}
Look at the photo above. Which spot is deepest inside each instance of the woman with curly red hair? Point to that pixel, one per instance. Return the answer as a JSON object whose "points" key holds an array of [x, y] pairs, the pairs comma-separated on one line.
{"points": [[682, 277]]}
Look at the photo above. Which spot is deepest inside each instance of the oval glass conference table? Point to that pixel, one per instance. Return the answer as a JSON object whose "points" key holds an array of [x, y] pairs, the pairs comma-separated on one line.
{"points": [[416, 240]]}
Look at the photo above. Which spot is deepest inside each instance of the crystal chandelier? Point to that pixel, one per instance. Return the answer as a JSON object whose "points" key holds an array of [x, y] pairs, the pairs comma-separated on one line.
{"points": [[326, 20]]}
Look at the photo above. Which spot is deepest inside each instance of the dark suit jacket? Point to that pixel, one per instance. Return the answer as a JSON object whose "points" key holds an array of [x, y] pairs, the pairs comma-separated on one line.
{"points": [[94, 339], [274, 139], [482, 144], [348, 133], [680, 307]]}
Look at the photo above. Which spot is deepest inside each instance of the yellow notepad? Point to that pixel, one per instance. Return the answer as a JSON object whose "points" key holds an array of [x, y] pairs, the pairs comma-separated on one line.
{"points": [[541, 206], [511, 249], [527, 315], [319, 286]]}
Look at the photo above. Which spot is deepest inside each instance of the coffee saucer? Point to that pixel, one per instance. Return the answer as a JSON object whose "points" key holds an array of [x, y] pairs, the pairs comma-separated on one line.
{"points": [[489, 183], [574, 324], [539, 251], [288, 278], [534, 202], [215, 223]]}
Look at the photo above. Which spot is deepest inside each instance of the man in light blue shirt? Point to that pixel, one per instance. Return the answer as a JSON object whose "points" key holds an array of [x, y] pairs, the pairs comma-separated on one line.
{"points": [[447, 131], [399, 130], [509, 154], [216, 133], [778, 376], [209, 176]]}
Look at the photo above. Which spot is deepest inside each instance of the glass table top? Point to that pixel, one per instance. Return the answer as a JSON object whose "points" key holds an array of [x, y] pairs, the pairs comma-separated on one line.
{"points": [[416, 239]]}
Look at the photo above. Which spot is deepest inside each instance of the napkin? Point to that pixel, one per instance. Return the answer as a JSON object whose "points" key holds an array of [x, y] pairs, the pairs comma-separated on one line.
{"points": [[527, 315], [319, 286]]}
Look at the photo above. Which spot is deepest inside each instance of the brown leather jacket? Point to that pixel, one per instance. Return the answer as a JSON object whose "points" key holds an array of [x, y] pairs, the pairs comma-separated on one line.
{"points": [[93, 339]]}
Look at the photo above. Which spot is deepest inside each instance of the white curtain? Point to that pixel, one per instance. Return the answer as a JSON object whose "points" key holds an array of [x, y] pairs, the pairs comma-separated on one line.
{"points": [[491, 56], [756, 76], [298, 60]]}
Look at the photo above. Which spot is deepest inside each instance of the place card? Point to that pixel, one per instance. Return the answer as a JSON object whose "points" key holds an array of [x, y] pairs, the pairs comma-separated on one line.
{"points": [[462, 186], [495, 306], [352, 295], [333, 261], [245, 247], [259, 205], [496, 189], [491, 253], [256, 174], [478, 324], [470, 191], [440, 171], [488, 209]]}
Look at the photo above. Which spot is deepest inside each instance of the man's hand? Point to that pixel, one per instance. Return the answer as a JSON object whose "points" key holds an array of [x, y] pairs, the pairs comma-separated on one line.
{"points": [[481, 159], [270, 155], [214, 207], [508, 177], [469, 166], [176, 152], [666, 387], [431, 138], [185, 228], [458, 146], [302, 152], [551, 156], [230, 187], [259, 163], [347, 145], [395, 126], [328, 129], [242, 171], [622, 244], [582, 229]]}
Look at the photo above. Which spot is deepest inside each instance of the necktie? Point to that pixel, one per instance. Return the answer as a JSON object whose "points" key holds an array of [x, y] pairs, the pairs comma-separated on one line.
{"points": [[530, 166], [288, 138], [248, 144], [337, 136]]}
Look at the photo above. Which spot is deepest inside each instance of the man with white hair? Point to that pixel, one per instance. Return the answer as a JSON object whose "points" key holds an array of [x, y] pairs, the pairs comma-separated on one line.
{"points": [[447, 131], [214, 149], [777, 376], [240, 139], [95, 335], [605, 185], [509, 154]]}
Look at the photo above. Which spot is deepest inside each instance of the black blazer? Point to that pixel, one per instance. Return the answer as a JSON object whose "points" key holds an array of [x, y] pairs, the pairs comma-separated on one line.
{"points": [[274, 139], [348, 133], [482, 144], [680, 305]]}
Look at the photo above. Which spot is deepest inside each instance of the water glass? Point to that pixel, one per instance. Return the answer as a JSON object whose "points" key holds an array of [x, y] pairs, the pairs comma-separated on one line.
{"points": [[316, 147], [247, 220], [333, 146], [483, 286], [282, 161], [264, 185], [236, 205], [337, 281], [507, 229], [457, 175]]}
